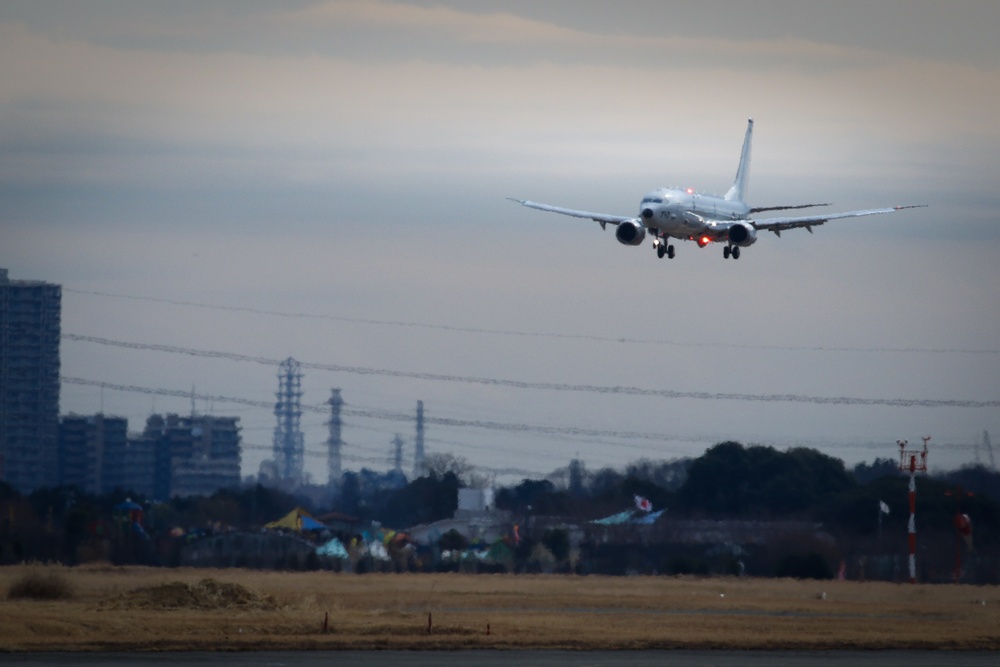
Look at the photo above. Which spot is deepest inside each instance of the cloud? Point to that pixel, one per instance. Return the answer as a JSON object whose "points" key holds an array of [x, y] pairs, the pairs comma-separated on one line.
{"points": [[353, 158], [321, 113]]}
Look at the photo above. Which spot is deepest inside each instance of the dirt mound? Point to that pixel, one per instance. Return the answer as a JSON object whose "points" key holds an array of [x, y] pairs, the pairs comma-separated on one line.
{"points": [[207, 594]]}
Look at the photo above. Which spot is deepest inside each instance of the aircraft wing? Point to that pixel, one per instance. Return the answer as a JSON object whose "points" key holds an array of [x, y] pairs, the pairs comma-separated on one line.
{"points": [[602, 218], [759, 209], [778, 225]]}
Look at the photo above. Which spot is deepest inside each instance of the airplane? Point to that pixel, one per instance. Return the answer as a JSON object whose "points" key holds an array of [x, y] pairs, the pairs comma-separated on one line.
{"points": [[667, 213]]}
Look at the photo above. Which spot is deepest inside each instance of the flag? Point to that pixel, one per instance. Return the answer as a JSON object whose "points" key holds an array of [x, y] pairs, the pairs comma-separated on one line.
{"points": [[643, 504], [882, 506]]}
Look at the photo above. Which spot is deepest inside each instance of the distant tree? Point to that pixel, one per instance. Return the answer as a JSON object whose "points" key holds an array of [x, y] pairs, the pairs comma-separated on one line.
{"points": [[556, 540], [804, 566], [440, 464], [733, 480], [453, 541], [423, 500], [351, 500], [8, 492], [856, 510], [669, 475], [577, 473], [604, 480], [528, 493], [978, 479], [869, 472], [717, 481]]}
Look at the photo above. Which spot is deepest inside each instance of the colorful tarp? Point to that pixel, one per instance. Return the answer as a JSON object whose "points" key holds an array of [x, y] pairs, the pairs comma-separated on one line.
{"points": [[298, 520], [333, 549], [630, 517]]}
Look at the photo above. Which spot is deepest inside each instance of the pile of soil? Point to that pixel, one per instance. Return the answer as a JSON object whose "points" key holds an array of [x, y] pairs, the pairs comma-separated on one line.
{"points": [[207, 594]]}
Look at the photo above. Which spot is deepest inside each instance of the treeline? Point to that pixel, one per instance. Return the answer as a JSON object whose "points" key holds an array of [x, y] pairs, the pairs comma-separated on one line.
{"points": [[729, 481]]}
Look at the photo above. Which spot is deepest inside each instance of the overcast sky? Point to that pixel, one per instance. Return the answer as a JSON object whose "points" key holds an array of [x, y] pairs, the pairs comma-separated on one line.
{"points": [[327, 181]]}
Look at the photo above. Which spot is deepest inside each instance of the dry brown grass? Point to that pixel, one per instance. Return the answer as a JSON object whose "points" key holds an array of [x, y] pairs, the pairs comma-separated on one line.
{"points": [[41, 583], [144, 608]]}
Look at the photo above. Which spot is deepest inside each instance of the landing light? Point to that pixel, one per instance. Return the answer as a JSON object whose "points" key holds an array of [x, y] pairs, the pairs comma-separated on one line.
{"points": [[705, 240]]}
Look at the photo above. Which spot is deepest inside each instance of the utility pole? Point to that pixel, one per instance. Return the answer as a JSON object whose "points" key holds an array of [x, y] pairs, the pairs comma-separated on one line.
{"points": [[397, 445]]}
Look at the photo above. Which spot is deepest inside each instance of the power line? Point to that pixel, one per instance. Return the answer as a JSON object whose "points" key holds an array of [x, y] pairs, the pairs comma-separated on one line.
{"points": [[375, 413], [354, 458], [552, 386], [530, 334], [606, 436]]}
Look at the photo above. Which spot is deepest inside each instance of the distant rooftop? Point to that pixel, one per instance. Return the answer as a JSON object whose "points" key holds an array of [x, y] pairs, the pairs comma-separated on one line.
{"points": [[5, 280]]}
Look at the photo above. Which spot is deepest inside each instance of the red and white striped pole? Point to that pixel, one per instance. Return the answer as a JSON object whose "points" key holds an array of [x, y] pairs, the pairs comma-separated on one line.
{"points": [[913, 519], [913, 467]]}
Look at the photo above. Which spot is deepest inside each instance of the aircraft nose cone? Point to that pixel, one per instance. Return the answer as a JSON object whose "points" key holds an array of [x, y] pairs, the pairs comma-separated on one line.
{"points": [[647, 213]]}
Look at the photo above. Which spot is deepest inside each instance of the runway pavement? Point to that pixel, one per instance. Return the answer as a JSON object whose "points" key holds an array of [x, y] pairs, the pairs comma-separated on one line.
{"points": [[506, 658]]}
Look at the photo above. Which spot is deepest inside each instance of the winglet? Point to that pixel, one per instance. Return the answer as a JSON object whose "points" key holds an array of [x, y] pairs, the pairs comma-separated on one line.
{"points": [[739, 190]]}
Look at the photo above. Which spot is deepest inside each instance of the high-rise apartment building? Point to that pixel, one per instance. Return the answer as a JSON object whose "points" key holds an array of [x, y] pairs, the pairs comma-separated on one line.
{"points": [[195, 455], [30, 313], [96, 457]]}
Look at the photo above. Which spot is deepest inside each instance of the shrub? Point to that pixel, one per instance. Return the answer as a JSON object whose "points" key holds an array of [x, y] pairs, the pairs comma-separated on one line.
{"points": [[41, 584], [807, 566]]}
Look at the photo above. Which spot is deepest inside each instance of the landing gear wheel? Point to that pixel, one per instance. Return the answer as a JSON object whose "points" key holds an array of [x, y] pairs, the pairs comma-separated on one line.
{"points": [[670, 251], [736, 252], [725, 252], [660, 250]]}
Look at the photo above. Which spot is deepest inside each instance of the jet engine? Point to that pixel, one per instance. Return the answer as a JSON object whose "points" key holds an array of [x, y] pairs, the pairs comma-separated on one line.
{"points": [[630, 232], [742, 234]]}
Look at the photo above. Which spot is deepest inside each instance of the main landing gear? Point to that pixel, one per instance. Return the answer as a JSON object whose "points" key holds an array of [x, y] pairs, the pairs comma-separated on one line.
{"points": [[662, 250], [731, 250]]}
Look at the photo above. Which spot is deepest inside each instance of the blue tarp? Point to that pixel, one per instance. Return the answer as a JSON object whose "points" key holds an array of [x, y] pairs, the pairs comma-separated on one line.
{"points": [[615, 519], [333, 548], [649, 519], [632, 517], [309, 523]]}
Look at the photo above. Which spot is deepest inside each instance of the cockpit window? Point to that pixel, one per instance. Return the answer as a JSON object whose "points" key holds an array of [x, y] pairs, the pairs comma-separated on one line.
{"points": [[652, 200]]}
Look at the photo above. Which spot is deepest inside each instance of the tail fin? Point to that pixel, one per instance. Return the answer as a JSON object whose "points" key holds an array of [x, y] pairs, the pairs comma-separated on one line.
{"points": [[739, 189]]}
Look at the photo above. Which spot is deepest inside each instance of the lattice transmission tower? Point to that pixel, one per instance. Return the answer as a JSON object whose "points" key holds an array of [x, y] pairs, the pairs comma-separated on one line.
{"points": [[334, 443], [419, 465], [289, 443]]}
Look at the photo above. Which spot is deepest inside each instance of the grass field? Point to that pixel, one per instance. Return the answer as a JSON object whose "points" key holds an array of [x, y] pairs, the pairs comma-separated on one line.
{"points": [[134, 608]]}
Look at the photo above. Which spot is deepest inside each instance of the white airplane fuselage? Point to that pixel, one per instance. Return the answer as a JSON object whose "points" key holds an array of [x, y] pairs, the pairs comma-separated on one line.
{"points": [[688, 214]]}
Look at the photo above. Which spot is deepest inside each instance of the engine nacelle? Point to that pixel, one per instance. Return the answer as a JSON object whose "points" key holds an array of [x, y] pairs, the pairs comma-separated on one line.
{"points": [[630, 233], [742, 234]]}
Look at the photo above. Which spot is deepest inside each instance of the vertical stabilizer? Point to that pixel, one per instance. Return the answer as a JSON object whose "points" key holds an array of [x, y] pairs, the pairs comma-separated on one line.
{"points": [[739, 190]]}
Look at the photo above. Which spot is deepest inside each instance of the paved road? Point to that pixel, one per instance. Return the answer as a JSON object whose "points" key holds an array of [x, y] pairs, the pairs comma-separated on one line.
{"points": [[520, 658]]}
